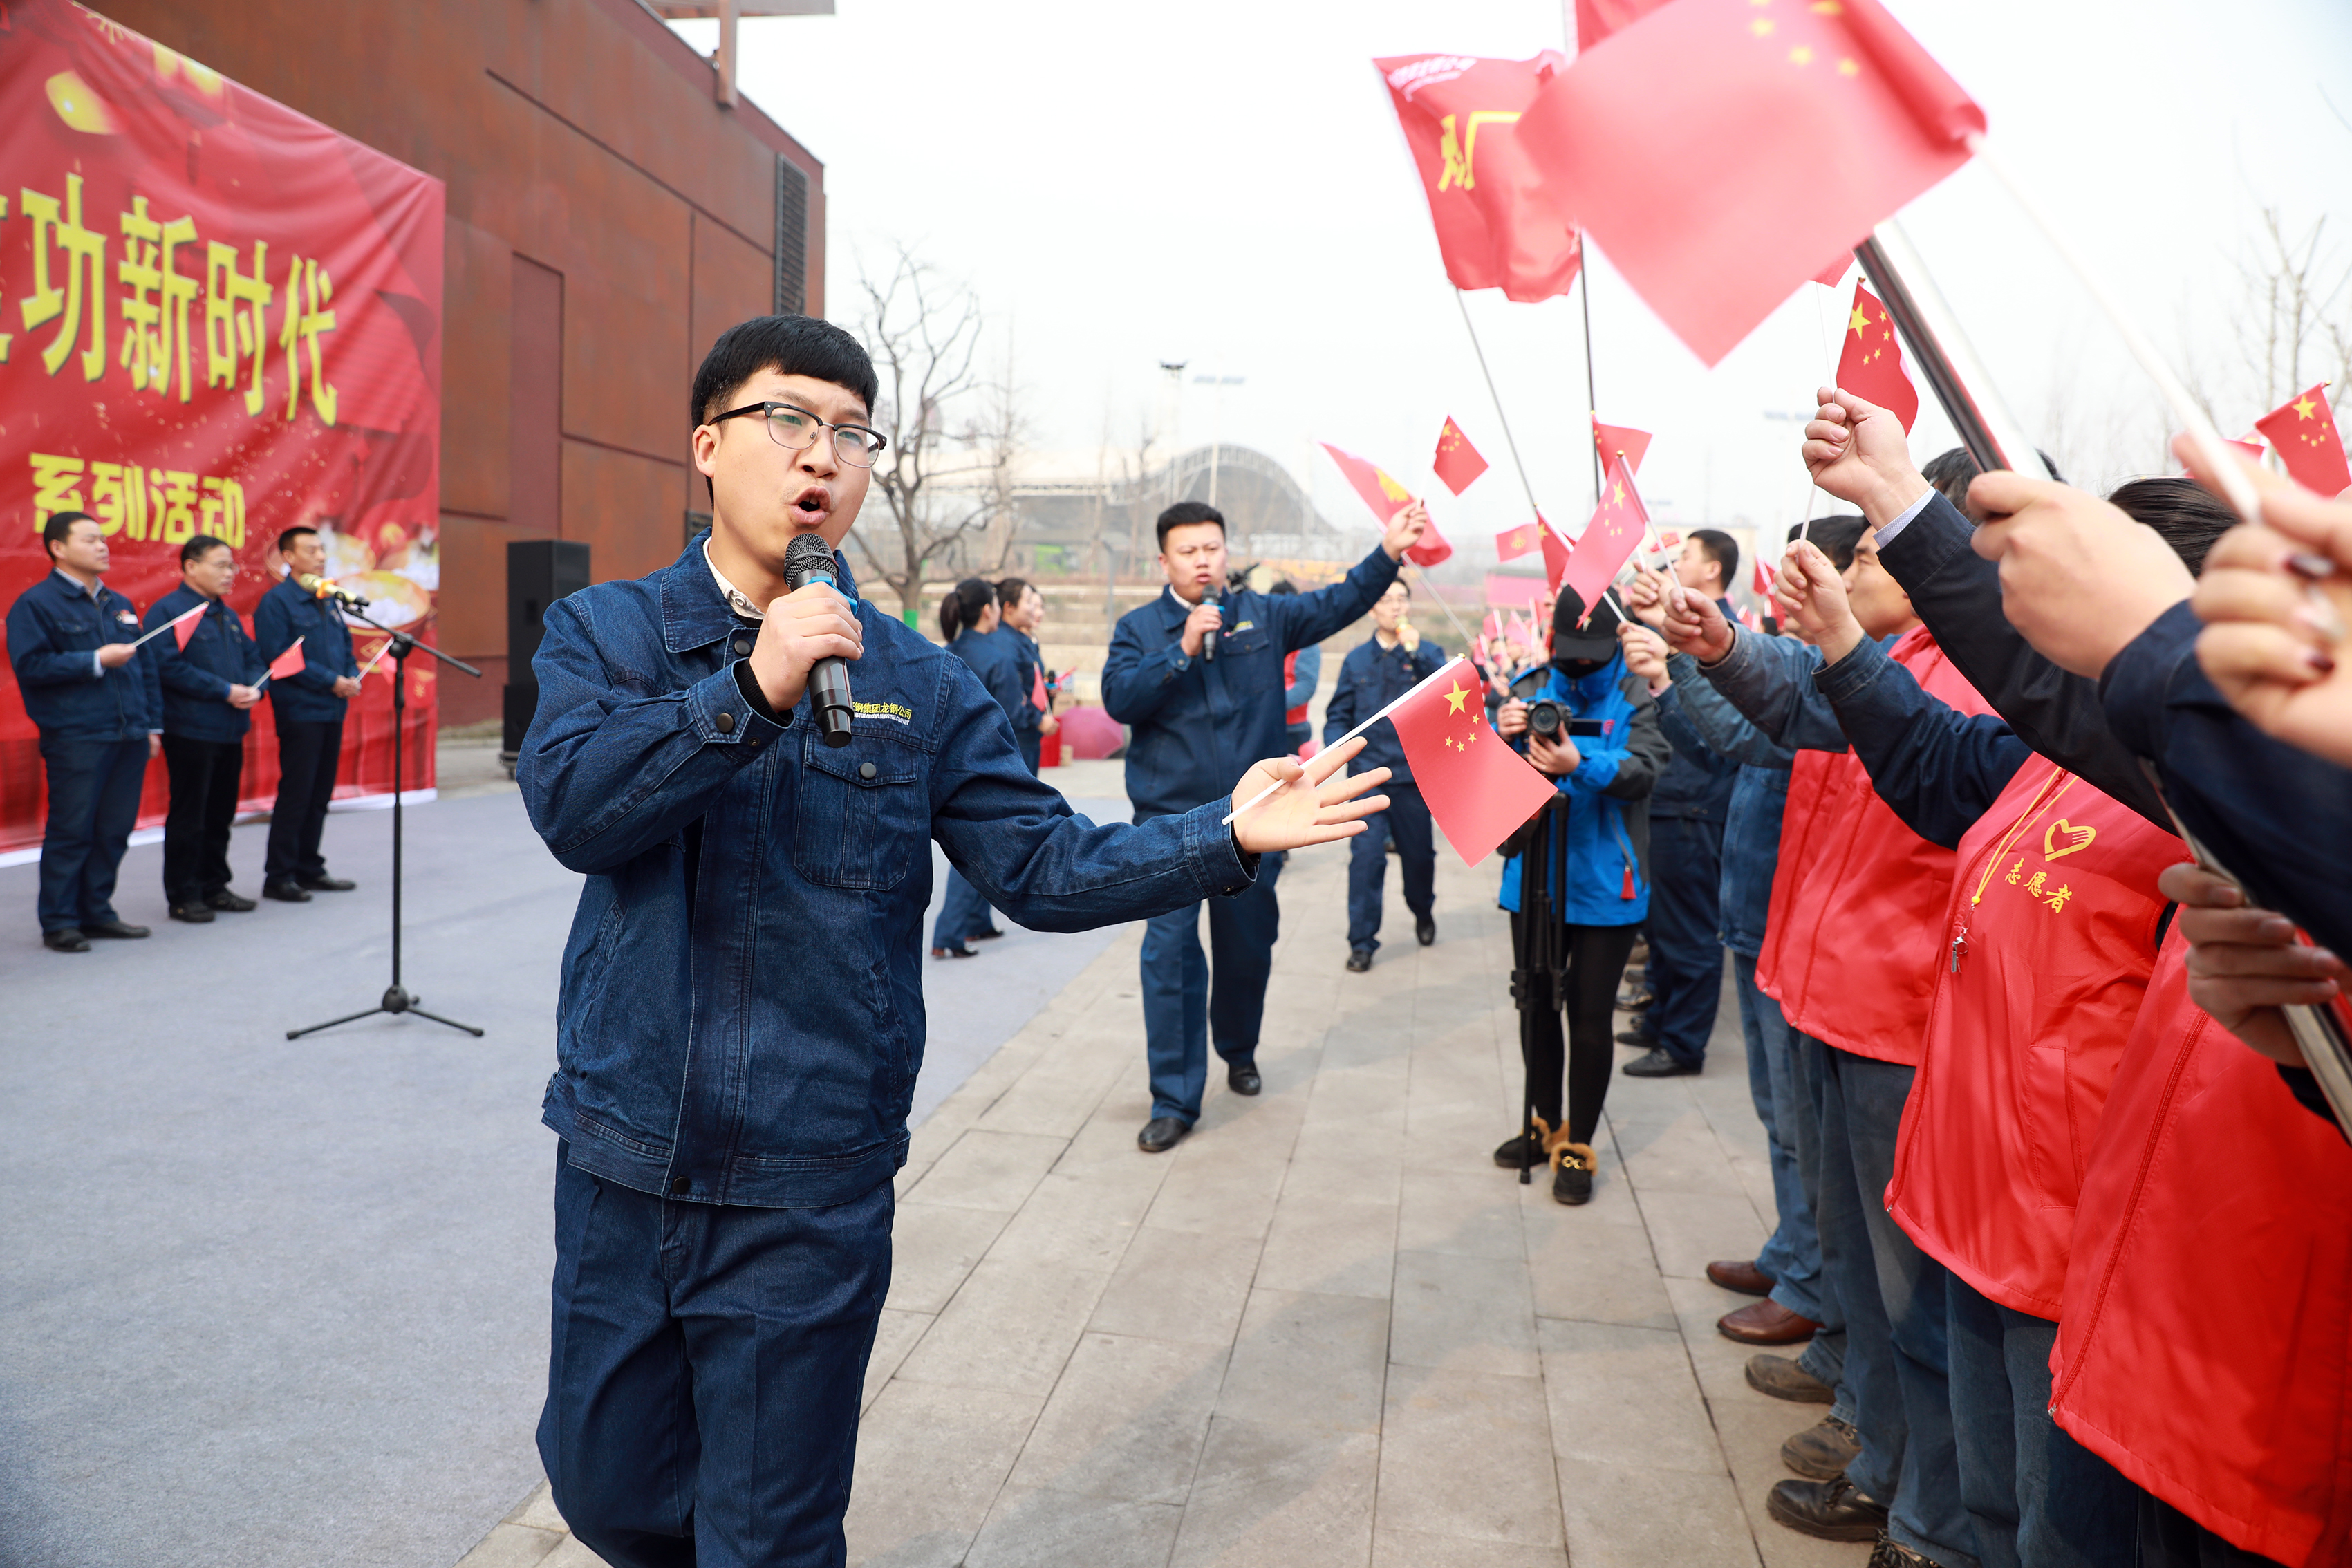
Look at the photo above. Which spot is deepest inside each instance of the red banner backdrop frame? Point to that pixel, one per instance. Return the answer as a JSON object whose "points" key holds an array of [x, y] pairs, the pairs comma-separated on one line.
{"points": [[217, 316]]}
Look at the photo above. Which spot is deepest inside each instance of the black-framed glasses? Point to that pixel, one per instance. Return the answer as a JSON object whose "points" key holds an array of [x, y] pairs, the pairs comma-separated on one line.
{"points": [[794, 429]]}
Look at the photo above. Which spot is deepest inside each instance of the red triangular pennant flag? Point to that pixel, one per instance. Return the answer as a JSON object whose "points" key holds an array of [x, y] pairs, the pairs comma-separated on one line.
{"points": [[2304, 435], [288, 663], [1610, 439], [1690, 147], [1475, 785], [1762, 579], [1460, 115], [1617, 528], [184, 625], [1037, 688], [1457, 461], [1871, 363], [1386, 497], [1555, 556], [1514, 543]]}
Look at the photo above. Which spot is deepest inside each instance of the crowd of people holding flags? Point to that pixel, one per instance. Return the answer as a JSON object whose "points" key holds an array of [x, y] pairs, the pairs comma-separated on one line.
{"points": [[109, 693]]}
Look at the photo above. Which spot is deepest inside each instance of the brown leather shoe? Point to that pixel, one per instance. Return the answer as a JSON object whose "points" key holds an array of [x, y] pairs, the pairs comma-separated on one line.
{"points": [[1744, 1277], [1765, 1322]]}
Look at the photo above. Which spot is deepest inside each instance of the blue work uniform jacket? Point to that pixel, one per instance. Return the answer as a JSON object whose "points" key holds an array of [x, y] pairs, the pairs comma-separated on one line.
{"points": [[1601, 850], [1697, 784], [1370, 678], [1198, 724], [55, 630], [740, 1012], [289, 611], [1022, 649], [195, 679], [1692, 711]]}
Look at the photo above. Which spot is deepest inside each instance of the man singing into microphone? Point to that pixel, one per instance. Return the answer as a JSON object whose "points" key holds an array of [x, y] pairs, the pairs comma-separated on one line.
{"points": [[1199, 682], [741, 1017], [308, 708]]}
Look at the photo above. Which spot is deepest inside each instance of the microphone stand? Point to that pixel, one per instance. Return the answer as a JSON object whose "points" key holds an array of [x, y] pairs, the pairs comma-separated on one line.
{"points": [[395, 999]]}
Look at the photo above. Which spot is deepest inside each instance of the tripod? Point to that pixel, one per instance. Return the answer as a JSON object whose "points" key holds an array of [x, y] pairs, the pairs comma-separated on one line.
{"points": [[1543, 956], [395, 999]]}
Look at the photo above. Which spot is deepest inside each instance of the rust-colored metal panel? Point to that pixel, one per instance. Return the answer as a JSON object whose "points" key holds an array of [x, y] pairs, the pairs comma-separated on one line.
{"points": [[622, 506], [535, 402], [476, 278]]}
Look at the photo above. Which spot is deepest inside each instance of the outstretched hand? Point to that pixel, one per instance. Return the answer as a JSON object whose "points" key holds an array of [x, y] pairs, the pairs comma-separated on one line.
{"points": [[1859, 453], [1811, 596], [1319, 802], [1694, 626], [2078, 577], [1406, 525], [1646, 596]]}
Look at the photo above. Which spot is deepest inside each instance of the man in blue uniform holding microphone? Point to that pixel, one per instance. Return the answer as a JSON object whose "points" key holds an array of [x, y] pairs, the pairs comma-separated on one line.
{"points": [[308, 706], [1197, 676]]}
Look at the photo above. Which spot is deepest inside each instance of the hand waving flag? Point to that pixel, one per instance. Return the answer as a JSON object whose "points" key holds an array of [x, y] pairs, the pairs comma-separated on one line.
{"points": [[1386, 498], [1872, 364]]}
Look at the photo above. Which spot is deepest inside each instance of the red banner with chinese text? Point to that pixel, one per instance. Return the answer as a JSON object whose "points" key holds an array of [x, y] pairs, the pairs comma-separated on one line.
{"points": [[217, 316]]}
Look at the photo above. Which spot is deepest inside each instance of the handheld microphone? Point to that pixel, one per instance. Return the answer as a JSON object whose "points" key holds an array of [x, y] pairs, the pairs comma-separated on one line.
{"points": [[1210, 595], [325, 590], [806, 561]]}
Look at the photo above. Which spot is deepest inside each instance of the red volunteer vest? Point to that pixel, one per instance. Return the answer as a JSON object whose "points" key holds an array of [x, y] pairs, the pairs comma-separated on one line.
{"points": [[1854, 929], [2054, 910], [2207, 1327]]}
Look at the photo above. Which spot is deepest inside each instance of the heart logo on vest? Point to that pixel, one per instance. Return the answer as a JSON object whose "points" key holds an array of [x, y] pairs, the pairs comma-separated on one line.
{"points": [[2076, 838]]}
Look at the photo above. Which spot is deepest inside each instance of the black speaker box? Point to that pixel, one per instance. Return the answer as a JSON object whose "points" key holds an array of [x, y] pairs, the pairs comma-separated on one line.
{"points": [[538, 573]]}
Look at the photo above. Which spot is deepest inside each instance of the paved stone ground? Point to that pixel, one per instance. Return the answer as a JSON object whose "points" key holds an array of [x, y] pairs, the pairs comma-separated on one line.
{"points": [[1325, 1329]]}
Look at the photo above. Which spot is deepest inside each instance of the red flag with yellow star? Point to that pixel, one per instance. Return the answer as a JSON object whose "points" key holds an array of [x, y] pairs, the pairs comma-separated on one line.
{"points": [[1477, 788], [1457, 461], [1610, 439], [1514, 543], [1871, 363], [1618, 526], [2304, 435], [1459, 114], [1386, 497], [1689, 146]]}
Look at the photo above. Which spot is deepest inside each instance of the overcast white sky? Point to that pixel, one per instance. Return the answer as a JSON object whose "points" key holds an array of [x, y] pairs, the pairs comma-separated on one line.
{"points": [[1224, 183]]}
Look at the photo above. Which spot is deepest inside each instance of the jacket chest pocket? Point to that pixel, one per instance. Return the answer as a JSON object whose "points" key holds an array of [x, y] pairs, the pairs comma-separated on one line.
{"points": [[863, 813], [1244, 645]]}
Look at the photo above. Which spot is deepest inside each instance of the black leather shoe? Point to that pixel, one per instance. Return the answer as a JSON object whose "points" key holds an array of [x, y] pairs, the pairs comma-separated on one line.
{"points": [[1163, 1133], [116, 930], [1424, 930], [1823, 1449], [285, 890], [1242, 1078], [230, 902], [1658, 1064], [1360, 960], [195, 914], [1782, 1378], [1830, 1510], [989, 934], [325, 884], [1631, 1038], [68, 940]]}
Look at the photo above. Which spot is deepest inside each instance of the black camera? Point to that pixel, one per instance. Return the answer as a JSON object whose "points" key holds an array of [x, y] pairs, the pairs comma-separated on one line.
{"points": [[1546, 718]]}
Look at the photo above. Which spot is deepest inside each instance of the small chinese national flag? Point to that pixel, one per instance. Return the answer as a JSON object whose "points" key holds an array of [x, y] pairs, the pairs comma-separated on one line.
{"points": [[184, 624], [1689, 146], [1761, 581], [1555, 557], [1514, 543], [1872, 364], [1037, 688], [1616, 531], [1457, 461], [1476, 786], [1610, 439], [288, 663], [1386, 498], [2304, 432]]}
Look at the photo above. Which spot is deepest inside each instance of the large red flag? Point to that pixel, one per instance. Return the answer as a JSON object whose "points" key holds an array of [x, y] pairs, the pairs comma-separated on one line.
{"points": [[1457, 461], [1476, 786], [1514, 543], [1610, 439], [1617, 528], [1690, 145], [288, 663], [2304, 433], [1871, 363], [1386, 498], [1460, 116]]}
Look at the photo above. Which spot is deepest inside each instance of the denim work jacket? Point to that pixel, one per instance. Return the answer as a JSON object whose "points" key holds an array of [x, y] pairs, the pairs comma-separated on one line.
{"points": [[741, 1016], [1693, 713], [53, 633], [307, 696], [1199, 723], [195, 679]]}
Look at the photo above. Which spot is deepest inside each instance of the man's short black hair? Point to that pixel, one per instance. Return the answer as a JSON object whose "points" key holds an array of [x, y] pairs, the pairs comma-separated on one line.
{"points": [[199, 546], [293, 533], [2188, 516], [1721, 548], [60, 529], [1834, 536], [792, 345], [1188, 511]]}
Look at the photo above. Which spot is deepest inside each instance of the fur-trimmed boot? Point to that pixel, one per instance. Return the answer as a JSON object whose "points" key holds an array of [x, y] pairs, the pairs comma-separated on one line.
{"points": [[1572, 1169], [1528, 1149]]}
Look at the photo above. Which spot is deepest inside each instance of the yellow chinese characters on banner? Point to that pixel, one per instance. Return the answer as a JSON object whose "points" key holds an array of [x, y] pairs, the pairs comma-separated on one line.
{"points": [[169, 506]]}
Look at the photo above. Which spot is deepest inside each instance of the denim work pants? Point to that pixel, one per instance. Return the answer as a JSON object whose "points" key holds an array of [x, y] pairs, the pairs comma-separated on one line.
{"points": [[963, 913], [704, 1373], [204, 775], [1181, 1015], [1686, 954], [307, 755], [1793, 1254], [94, 788], [2037, 1497], [1895, 1316], [1801, 1120], [1407, 819]]}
